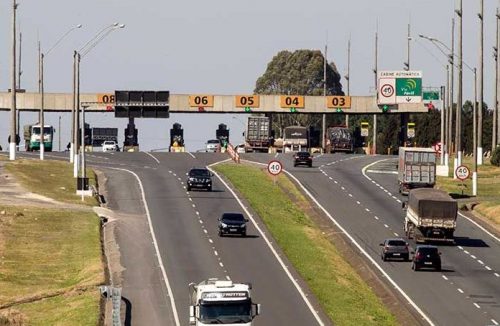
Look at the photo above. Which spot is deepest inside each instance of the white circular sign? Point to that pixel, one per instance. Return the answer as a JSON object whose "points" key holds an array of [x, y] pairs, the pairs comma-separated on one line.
{"points": [[462, 172], [387, 90], [274, 167]]}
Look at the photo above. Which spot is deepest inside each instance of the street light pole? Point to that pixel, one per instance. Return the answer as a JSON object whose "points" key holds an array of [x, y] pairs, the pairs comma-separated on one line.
{"points": [[12, 146], [497, 106], [348, 77], [458, 129], [481, 79], [451, 60], [375, 72], [475, 138]]}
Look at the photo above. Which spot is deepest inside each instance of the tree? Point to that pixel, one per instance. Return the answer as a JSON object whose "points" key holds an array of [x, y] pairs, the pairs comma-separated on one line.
{"points": [[298, 73]]}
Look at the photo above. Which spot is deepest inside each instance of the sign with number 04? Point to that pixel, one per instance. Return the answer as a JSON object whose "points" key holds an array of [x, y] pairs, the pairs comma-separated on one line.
{"points": [[274, 167]]}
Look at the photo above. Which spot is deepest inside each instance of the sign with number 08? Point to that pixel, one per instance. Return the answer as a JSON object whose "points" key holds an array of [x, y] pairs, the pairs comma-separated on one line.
{"points": [[462, 172], [274, 167]]}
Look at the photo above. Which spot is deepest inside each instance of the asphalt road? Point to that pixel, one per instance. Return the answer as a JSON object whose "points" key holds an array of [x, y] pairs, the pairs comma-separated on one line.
{"points": [[466, 292], [185, 225], [367, 205]]}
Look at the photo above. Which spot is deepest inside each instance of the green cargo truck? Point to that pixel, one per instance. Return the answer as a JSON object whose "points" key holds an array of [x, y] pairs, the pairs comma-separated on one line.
{"points": [[32, 137]]}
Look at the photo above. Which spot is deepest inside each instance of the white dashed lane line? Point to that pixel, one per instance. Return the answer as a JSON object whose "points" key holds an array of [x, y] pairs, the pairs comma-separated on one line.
{"points": [[460, 290]]}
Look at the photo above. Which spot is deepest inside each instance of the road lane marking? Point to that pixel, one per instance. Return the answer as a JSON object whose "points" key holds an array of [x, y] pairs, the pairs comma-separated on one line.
{"points": [[221, 264], [155, 243], [395, 234], [497, 275], [494, 321], [488, 268], [358, 202], [444, 276], [216, 253], [477, 306], [270, 246], [350, 195], [375, 217], [460, 290], [191, 155], [473, 257], [382, 172], [480, 261], [386, 226], [154, 158]]}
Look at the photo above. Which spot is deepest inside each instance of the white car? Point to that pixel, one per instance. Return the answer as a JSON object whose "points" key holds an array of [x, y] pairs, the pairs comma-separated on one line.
{"points": [[213, 145], [110, 146]]}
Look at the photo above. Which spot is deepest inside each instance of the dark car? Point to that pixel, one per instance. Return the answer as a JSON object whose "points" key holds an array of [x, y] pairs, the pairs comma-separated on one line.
{"points": [[426, 257], [200, 179], [232, 223], [394, 248], [303, 158]]}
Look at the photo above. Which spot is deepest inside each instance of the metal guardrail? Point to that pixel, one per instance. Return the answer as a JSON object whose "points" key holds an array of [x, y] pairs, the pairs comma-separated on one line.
{"points": [[115, 294]]}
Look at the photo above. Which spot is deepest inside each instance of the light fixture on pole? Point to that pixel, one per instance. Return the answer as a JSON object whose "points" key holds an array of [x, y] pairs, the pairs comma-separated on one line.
{"points": [[42, 88]]}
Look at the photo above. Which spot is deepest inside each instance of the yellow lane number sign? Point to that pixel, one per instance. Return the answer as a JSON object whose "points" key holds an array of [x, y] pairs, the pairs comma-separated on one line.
{"points": [[291, 101], [247, 101], [334, 102], [106, 98], [201, 100]]}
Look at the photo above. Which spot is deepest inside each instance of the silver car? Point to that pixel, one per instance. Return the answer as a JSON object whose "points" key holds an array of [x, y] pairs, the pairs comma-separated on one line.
{"points": [[213, 145], [395, 248]]}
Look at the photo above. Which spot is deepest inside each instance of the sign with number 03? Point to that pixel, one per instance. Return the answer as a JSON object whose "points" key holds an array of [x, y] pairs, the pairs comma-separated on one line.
{"points": [[247, 101], [291, 101], [274, 167], [201, 101], [462, 172], [334, 102]]}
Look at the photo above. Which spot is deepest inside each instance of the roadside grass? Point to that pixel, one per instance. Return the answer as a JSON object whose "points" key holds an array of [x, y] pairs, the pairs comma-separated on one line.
{"points": [[45, 252], [344, 296], [488, 188], [53, 179]]}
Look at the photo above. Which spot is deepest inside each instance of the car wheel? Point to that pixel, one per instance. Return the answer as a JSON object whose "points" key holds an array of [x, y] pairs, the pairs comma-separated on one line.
{"points": [[384, 257], [414, 267], [244, 233], [310, 165], [407, 257], [438, 268], [188, 188], [221, 234]]}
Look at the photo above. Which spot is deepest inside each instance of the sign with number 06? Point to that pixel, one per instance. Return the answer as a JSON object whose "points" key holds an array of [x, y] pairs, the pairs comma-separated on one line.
{"points": [[274, 167]]}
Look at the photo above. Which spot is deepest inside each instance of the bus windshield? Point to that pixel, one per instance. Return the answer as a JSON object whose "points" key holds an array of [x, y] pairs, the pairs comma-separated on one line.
{"points": [[46, 130]]}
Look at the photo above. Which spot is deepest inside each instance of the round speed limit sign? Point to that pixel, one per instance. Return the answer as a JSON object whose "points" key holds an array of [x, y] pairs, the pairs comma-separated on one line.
{"points": [[462, 172], [274, 167]]}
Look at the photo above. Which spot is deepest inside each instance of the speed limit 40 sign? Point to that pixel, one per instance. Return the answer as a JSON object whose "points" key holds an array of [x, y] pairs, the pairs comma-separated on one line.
{"points": [[274, 167], [462, 172]]}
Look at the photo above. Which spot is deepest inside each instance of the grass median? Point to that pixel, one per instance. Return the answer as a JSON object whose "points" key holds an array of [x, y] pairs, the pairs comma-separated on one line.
{"points": [[53, 179], [50, 266], [488, 189], [344, 296]]}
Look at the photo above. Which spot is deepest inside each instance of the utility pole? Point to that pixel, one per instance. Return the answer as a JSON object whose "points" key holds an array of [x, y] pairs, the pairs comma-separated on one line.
{"points": [[451, 60], [39, 75], [73, 114], [323, 124], [481, 79], [19, 73], [77, 113], [458, 129], [407, 63], [474, 138], [348, 76], [59, 135], [496, 129], [375, 72], [12, 145], [42, 107], [497, 106]]}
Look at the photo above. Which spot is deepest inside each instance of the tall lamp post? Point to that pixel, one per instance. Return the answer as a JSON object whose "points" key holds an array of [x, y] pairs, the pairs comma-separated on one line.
{"points": [[73, 152], [12, 145], [42, 88], [438, 43], [91, 44]]}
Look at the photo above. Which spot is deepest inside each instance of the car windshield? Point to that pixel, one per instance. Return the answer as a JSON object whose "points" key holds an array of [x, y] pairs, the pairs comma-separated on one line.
{"points": [[109, 143], [428, 250], [397, 243], [214, 141], [234, 312], [233, 217], [303, 154], [199, 173]]}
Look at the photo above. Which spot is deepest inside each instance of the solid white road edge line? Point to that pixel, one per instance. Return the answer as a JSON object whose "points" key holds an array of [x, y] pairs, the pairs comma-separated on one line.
{"points": [[160, 260], [278, 258], [154, 158]]}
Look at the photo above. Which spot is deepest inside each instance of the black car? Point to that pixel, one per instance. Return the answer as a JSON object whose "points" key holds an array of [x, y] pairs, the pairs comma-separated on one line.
{"points": [[426, 257], [199, 178], [232, 223], [394, 248], [303, 158]]}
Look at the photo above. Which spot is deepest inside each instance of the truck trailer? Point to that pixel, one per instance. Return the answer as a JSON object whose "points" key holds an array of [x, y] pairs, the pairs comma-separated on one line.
{"points": [[416, 168], [221, 302], [431, 215], [258, 134], [296, 139], [339, 139]]}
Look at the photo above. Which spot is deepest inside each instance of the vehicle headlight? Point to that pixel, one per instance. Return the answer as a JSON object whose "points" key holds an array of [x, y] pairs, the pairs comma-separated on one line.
{"points": [[224, 225], [191, 179], [243, 225]]}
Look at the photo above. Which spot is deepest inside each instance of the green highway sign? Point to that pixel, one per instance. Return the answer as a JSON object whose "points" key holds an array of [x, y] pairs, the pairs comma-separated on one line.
{"points": [[408, 86], [431, 95], [399, 87]]}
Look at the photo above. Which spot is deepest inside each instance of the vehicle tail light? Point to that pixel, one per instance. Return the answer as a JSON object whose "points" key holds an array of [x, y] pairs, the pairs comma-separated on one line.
{"points": [[419, 255]]}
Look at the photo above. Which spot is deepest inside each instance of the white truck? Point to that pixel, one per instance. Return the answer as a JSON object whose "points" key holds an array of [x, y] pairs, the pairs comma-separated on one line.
{"points": [[416, 168], [431, 215], [32, 137], [217, 301]]}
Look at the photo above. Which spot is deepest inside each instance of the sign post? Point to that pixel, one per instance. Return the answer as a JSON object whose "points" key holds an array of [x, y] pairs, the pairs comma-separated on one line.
{"points": [[462, 173], [274, 168]]}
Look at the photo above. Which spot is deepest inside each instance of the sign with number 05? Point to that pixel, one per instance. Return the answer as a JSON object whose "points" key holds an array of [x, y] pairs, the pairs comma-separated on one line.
{"points": [[201, 101], [291, 101], [274, 167], [334, 102], [247, 101], [462, 172]]}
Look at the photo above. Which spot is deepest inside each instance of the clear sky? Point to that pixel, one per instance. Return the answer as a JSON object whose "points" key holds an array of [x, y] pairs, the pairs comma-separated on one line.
{"points": [[223, 46]]}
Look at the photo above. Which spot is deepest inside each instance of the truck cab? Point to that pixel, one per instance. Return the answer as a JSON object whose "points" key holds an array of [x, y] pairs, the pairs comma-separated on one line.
{"points": [[221, 302]]}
